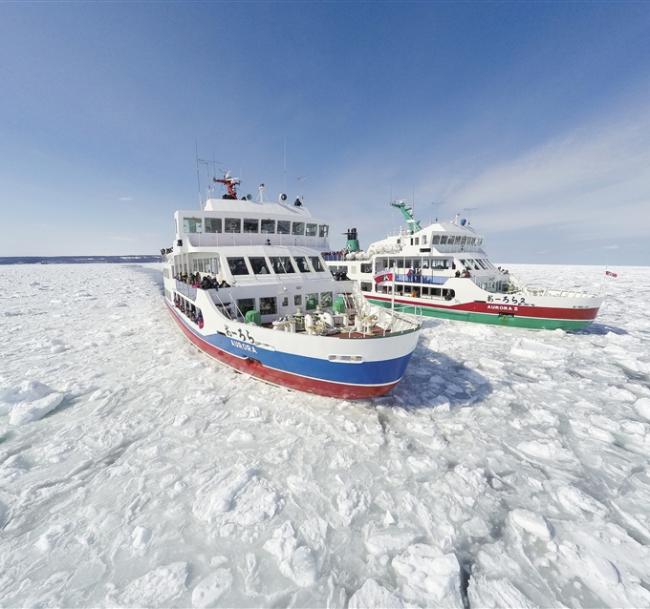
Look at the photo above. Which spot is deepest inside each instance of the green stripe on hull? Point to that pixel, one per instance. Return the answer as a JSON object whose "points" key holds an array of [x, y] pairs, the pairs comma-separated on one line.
{"points": [[487, 318]]}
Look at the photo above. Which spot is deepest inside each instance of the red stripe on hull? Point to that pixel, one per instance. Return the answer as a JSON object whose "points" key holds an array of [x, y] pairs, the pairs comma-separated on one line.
{"points": [[283, 379], [499, 309]]}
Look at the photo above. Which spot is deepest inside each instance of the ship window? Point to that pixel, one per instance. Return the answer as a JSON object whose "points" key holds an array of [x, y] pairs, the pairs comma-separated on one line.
{"points": [[443, 239], [312, 301], [237, 266], [326, 299], [232, 225], [323, 230], [213, 225], [284, 227], [268, 227], [457, 240], [316, 263], [311, 230], [268, 305], [436, 292], [366, 286], [251, 225], [281, 265], [297, 300], [301, 263], [435, 239], [417, 241], [259, 266], [425, 291], [366, 267], [424, 239], [192, 225], [425, 263], [298, 228], [245, 305], [407, 263]]}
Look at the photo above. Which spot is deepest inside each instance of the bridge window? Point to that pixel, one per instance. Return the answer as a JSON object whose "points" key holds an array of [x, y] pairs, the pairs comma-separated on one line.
{"points": [[232, 225], [268, 305], [316, 263], [297, 300], [284, 227], [259, 266], [312, 301], [323, 230], [366, 267], [281, 265], [298, 228], [237, 266], [326, 299], [301, 263], [192, 225], [311, 230], [268, 227], [245, 305], [435, 239], [251, 226], [213, 225]]}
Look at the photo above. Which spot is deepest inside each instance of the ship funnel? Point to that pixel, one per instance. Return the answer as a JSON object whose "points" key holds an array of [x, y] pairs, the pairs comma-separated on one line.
{"points": [[352, 243]]}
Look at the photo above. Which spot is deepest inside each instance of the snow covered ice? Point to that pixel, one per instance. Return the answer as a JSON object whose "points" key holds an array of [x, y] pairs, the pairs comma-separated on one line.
{"points": [[509, 468]]}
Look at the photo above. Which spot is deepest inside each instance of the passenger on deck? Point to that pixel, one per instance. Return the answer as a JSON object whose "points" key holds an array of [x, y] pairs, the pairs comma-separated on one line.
{"points": [[409, 275], [466, 273]]}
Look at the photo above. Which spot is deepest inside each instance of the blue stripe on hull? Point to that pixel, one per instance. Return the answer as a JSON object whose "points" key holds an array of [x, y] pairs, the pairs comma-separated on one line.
{"points": [[365, 373]]}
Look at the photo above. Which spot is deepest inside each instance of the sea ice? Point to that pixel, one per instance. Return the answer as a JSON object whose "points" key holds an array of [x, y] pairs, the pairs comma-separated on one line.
{"points": [[508, 469]]}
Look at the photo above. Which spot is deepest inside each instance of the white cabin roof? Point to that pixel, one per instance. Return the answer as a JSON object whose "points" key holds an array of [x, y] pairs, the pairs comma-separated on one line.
{"points": [[267, 209]]}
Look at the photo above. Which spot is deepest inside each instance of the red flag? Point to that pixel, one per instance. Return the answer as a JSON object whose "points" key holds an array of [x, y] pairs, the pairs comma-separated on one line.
{"points": [[383, 277]]}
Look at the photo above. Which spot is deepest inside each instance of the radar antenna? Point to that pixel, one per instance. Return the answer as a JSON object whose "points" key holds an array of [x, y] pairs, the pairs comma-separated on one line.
{"points": [[230, 183]]}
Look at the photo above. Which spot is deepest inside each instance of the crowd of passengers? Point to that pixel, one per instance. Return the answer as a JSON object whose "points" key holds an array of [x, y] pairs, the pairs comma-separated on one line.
{"points": [[205, 283], [189, 310]]}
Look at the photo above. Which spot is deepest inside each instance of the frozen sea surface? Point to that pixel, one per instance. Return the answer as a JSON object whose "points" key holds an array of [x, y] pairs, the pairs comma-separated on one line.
{"points": [[510, 468]]}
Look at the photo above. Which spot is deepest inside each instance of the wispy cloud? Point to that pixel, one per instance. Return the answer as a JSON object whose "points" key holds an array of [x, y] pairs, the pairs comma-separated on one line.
{"points": [[123, 238], [125, 199], [593, 182]]}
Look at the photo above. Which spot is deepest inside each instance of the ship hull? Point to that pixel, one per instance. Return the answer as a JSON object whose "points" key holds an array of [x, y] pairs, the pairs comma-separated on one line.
{"points": [[539, 318], [353, 381]]}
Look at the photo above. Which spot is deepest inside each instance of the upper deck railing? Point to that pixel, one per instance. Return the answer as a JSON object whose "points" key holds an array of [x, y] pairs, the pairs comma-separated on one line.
{"points": [[230, 239]]}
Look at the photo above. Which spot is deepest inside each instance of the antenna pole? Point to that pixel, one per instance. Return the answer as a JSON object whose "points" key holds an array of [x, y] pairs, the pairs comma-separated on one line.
{"points": [[198, 177], [413, 199], [284, 162]]}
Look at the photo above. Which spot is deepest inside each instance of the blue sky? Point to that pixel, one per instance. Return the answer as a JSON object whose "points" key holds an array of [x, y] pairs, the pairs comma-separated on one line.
{"points": [[533, 118]]}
